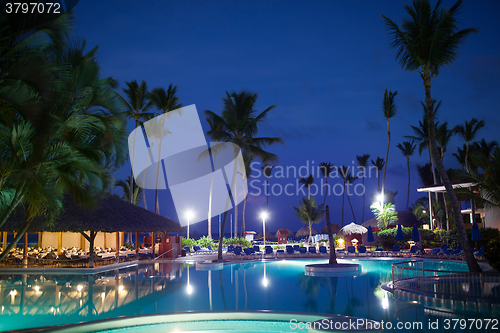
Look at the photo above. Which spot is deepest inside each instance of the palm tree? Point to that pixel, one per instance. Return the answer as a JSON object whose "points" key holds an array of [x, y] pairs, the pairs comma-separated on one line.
{"points": [[164, 101], [422, 135], [326, 169], [136, 192], [307, 182], [137, 108], [425, 174], [426, 42], [344, 173], [468, 132], [408, 149], [363, 162], [379, 165], [268, 170], [460, 156], [483, 150], [385, 213], [443, 137], [389, 110], [308, 212], [239, 124], [349, 180]]}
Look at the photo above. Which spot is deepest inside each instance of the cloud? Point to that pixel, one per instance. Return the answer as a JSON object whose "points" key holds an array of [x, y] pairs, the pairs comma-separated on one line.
{"points": [[372, 125]]}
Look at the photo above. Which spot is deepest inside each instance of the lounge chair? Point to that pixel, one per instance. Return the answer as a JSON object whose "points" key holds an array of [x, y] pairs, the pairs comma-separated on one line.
{"points": [[280, 252], [322, 249], [268, 250], [187, 249], [434, 251], [290, 250], [362, 249], [237, 251], [302, 250], [257, 250], [413, 251], [479, 254], [379, 251], [396, 249], [312, 250], [351, 250], [248, 251], [230, 248], [296, 248]]}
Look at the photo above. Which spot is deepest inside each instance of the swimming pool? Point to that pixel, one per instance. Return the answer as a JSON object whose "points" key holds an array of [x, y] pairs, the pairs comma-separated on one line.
{"points": [[32, 300]]}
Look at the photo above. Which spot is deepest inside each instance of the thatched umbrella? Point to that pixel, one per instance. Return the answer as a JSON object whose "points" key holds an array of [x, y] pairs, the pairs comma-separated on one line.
{"points": [[335, 229], [286, 231], [304, 232], [350, 229], [269, 236]]}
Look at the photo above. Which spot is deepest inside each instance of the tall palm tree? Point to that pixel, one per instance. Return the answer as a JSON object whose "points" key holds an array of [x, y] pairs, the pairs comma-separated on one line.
{"points": [[239, 124], [164, 101], [460, 156], [344, 173], [137, 108], [362, 163], [427, 41], [307, 182], [425, 174], [468, 132], [484, 150], [408, 149], [389, 110], [379, 165], [326, 169], [443, 138], [308, 212], [267, 169], [349, 180]]}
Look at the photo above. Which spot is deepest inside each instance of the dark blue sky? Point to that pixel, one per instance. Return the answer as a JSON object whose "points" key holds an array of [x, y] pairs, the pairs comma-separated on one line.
{"points": [[325, 64]]}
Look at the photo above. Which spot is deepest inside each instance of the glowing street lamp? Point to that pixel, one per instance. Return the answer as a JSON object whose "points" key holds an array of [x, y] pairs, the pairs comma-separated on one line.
{"points": [[380, 199], [189, 215], [263, 215]]}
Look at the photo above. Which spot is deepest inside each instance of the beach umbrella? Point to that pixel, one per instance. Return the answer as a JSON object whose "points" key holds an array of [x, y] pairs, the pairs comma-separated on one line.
{"points": [[476, 234], [414, 234], [304, 232], [399, 233], [269, 236], [335, 229], [352, 228], [369, 237], [289, 233]]}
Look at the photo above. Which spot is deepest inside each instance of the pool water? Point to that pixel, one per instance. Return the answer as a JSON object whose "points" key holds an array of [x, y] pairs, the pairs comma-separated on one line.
{"points": [[44, 300]]}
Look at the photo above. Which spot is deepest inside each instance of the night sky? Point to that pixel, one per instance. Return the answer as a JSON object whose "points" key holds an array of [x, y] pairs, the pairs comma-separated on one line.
{"points": [[325, 64]]}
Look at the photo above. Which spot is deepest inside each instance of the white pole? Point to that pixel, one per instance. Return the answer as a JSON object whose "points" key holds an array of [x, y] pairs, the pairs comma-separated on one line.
{"points": [[188, 229]]}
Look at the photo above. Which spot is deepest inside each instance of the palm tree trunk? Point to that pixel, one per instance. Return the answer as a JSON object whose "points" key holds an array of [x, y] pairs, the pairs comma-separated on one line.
{"points": [[310, 232], [433, 167], [408, 195], [333, 256], [267, 205], [363, 182], [343, 194], [244, 208], [386, 155], [324, 201], [131, 186], [235, 210], [210, 198], [352, 210], [18, 196], [16, 239], [469, 256]]}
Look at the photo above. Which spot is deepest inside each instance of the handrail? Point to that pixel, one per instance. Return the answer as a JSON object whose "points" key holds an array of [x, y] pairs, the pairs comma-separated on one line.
{"points": [[161, 255], [466, 285]]}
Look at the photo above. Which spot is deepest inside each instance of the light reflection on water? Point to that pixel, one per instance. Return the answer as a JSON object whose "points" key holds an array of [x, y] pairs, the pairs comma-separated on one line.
{"points": [[44, 300]]}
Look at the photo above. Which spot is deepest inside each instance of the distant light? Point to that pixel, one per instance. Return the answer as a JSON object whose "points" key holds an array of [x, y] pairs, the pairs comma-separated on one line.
{"points": [[120, 288], [263, 215], [380, 198], [189, 289], [424, 211], [79, 287], [385, 302], [37, 288], [265, 282], [103, 295], [13, 293], [189, 214]]}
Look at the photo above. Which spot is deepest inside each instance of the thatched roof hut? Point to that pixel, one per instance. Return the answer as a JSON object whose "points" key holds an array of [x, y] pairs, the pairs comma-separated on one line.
{"points": [[406, 219], [269, 236], [111, 214], [286, 231], [352, 228], [335, 229], [304, 232]]}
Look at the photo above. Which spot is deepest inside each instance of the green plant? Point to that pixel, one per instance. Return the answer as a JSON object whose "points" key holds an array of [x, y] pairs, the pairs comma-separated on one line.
{"points": [[492, 253], [384, 213], [188, 242], [204, 242]]}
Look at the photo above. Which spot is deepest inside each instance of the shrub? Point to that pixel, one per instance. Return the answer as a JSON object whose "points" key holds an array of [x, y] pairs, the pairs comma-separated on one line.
{"points": [[492, 253], [188, 242], [204, 242]]}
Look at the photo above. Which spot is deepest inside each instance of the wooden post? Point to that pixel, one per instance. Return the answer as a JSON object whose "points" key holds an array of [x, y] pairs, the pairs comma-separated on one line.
{"points": [[4, 242], [39, 239], [117, 254], [82, 242], [105, 240], [59, 243], [136, 242], [25, 249]]}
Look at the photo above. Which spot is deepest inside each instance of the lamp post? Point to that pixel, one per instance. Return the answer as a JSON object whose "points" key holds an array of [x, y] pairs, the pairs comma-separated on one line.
{"points": [[189, 215], [264, 217]]}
